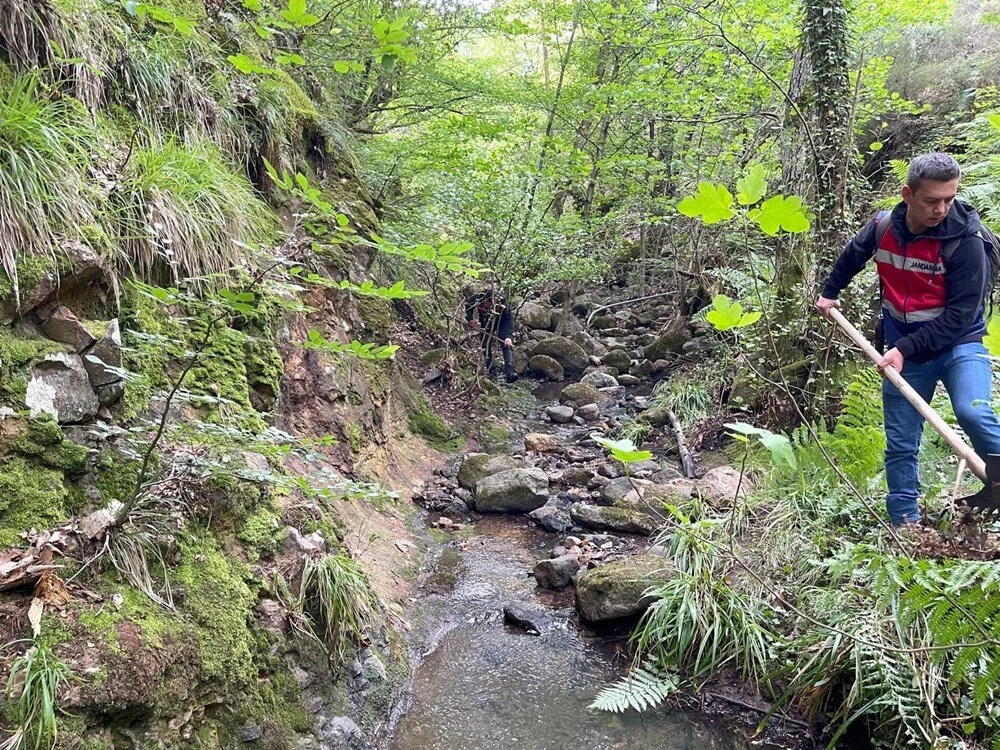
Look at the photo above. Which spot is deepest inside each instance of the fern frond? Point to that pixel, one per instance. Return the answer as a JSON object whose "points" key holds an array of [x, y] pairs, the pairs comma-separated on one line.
{"points": [[639, 691]]}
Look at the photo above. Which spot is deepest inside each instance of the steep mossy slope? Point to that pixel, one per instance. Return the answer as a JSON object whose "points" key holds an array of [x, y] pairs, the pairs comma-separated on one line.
{"points": [[134, 139]]}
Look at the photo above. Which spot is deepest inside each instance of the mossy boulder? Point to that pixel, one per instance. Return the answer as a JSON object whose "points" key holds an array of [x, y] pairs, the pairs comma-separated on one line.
{"points": [[620, 359], [432, 356], [568, 353], [655, 416], [619, 517], [670, 342], [535, 316], [546, 367], [617, 589], [512, 491], [476, 466], [578, 394], [32, 496]]}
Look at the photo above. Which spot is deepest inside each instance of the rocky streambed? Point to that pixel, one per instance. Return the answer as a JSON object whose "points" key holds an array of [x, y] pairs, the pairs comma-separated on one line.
{"points": [[545, 556]]}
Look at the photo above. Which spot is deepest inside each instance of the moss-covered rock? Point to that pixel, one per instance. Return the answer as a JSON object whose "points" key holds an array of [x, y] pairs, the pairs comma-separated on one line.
{"points": [[31, 496], [220, 602], [262, 534], [434, 430], [617, 589], [578, 394]]}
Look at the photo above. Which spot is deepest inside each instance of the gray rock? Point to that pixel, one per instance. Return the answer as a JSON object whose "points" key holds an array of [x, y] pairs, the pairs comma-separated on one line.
{"points": [[565, 325], [617, 358], [617, 589], [455, 509], [512, 491], [655, 416], [579, 394], [532, 620], [60, 386], [603, 322], [476, 466], [251, 732], [566, 352], [665, 475], [342, 733], [103, 362], [618, 518], [535, 316], [551, 519], [556, 573], [600, 380], [670, 342], [589, 344], [545, 366], [63, 326], [719, 485], [589, 412], [621, 489], [628, 380], [542, 442], [559, 414]]}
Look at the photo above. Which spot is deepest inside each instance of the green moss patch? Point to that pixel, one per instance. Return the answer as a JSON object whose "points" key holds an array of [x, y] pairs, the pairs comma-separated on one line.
{"points": [[435, 431], [17, 354], [220, 603], [262, 534], [31, 496]]}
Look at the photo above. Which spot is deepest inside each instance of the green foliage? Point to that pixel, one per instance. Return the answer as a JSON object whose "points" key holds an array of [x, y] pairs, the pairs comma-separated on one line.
{"points": [[641, 690], [713, 203], [727, 314], [31, 696], [182, 210], [316, 341], [623, 450], [336, 593], [44, 145], [779, 446]]}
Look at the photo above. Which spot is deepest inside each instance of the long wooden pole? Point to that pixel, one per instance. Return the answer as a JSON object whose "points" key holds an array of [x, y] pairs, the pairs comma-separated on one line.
{"points": [[972, 459]]}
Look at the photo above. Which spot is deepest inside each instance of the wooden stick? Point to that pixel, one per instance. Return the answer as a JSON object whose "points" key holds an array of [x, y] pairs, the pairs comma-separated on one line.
{"points": [[975, 463], [687, 461]]}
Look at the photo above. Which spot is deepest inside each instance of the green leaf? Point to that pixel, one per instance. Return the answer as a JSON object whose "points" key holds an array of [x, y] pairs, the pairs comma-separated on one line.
{"points": [[623, 450], [253, 5], [297, 15], [246, 64], [289, 58], [388, 62], [752, 186], [713, 203], [779, 446], [779, 212], [992, 338], [994, 120], [342, 66], [875, 146], [727, 314]]}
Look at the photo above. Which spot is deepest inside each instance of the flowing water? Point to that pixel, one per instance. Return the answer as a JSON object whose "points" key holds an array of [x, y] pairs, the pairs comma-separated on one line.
{"points": [[489, 685]]}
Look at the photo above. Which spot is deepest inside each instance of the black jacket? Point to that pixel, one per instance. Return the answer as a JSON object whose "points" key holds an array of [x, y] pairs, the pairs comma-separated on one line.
{"points": [[493, 311], [965, 278]]}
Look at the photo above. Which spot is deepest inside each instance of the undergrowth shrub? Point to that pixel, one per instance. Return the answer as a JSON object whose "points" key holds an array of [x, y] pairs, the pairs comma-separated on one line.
{"points": [[337, 595], [30, 698], [45, 144], [182, 209]]}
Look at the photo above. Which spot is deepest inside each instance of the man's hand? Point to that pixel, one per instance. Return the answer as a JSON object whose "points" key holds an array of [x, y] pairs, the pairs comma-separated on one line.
{"points": [[508, 343], [824, 305], [893, 358]]}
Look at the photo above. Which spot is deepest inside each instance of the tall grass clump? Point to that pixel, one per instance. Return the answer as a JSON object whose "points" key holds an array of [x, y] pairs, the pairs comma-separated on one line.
{"points": [[44, 147], [30, 698], [181, 209], [337, 595]]}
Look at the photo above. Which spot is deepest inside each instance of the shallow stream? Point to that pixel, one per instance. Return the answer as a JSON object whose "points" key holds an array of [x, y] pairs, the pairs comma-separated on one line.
{"points": [[483, 684]]}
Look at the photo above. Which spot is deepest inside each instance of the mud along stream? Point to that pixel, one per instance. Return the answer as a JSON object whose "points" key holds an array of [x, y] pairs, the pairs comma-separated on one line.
{"points": [[482, 682]]}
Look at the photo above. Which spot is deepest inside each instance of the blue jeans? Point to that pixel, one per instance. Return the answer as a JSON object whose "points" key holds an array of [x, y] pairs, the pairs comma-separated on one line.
{"points": [[965, 371]]}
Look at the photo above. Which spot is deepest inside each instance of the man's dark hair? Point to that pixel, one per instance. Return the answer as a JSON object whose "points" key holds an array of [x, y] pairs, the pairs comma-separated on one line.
{"points": [[934, 166]]}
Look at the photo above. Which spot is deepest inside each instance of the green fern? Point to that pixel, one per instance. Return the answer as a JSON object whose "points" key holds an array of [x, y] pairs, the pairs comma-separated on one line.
{"points": [[639, 691]]}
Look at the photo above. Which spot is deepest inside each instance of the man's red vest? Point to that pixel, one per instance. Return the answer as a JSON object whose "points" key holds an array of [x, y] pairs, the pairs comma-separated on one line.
{"points": [[913, 285]]}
